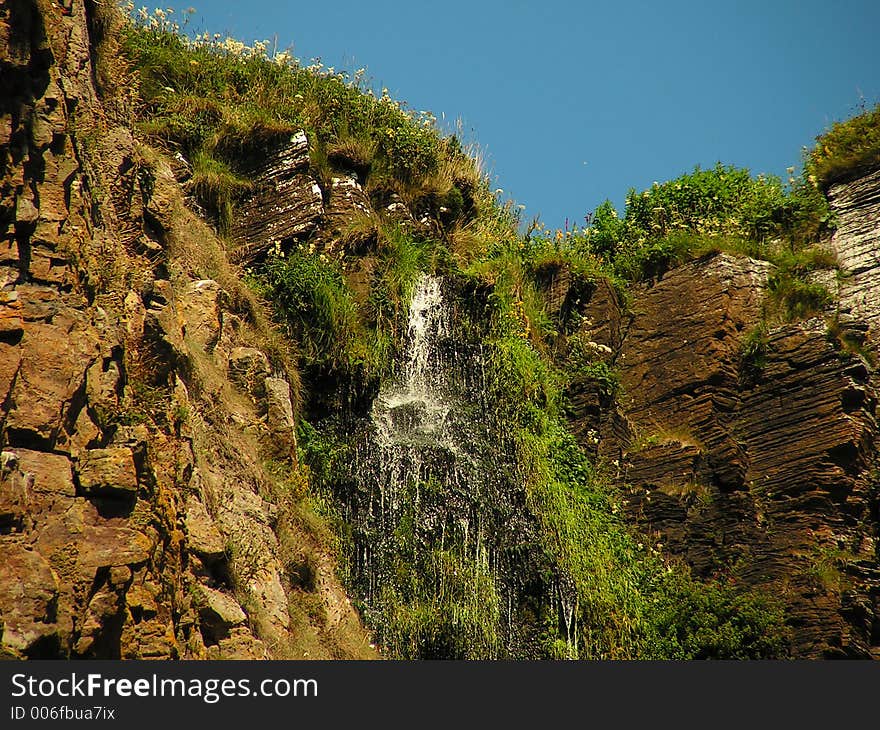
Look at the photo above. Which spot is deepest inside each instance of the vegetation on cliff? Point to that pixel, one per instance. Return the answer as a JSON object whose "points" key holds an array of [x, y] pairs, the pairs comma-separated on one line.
{"points": [[849, 148], [219, 104]]}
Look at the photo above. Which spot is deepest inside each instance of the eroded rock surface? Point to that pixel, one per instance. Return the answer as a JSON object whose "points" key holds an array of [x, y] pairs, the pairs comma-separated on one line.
{"points": [[136, 518], [762, 476], [286, 202], [857, 244]]}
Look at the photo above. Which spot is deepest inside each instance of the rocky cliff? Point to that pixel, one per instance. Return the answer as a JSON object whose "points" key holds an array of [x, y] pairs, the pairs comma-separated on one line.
{"points": [[765, 476], [151, 503], [146, 419]]}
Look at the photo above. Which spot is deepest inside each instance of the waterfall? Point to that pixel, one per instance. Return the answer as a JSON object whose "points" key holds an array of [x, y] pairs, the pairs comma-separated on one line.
{"points": [[436, 512], [414, 407]]}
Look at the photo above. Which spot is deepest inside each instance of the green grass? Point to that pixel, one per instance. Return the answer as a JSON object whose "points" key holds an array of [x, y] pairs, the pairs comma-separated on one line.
{"points": [[754, 349], [216, 187], [335, 327], [316, 302], [848, 149], [222, 103]]}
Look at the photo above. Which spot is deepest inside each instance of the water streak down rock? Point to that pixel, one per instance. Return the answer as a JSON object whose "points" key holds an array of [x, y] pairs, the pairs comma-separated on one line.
{"points": [[432, 502]]}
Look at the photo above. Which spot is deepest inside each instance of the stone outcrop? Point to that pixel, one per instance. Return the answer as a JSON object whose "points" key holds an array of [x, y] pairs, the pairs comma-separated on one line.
{"points": [[286, 202], [108, 471], [279, 419], [681, 353], [857, 245], [347, 205], [763, 478]]}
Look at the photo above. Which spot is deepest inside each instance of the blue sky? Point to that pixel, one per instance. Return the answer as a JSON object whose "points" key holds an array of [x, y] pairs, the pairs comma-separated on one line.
{"points": [[576, 102]]}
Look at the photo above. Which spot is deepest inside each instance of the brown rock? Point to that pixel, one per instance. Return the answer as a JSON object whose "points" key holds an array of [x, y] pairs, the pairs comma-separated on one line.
{"points": [[141, 600], [54, 359], [150, 639], [13, 493], [28, 592], [604, 319], [279, 419], [163, 316], [201, 312], [80, 541], [105, 547], [25, 211], [347, 203], [249, 368], [239, 645], [680, 359], [10, 314], [46, 474], [203, 537], [218, 611], [109, 471], [756, 477], [9, 255], [135, 315]]}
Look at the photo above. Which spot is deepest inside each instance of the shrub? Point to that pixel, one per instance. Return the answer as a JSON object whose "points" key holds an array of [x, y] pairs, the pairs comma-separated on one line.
{"points": [[847, 149], [792, 294], [721, 209], [318, 307], [693, 620]]}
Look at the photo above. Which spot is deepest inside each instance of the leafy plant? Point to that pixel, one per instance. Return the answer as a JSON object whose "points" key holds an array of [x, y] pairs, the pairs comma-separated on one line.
{"points": [[315, 301], [692, 620], [721, 209]]}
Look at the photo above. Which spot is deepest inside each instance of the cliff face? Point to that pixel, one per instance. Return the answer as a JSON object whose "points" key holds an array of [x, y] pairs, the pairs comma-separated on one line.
{"points": [[765, 476], [150, 500], [140, 413]]}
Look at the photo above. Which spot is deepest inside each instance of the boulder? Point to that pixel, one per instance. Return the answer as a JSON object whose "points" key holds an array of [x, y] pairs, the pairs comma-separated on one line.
{"points": [[45, 474], [346, 204], [52, 368], [239, 645]]}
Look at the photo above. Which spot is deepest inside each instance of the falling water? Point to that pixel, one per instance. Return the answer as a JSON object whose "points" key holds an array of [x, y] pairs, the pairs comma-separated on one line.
{"points": [[429, 478], [414, 408]]}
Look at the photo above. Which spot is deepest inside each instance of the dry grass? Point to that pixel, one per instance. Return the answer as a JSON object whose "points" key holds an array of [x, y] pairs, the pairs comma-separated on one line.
{"points": [[666, 435], [195, 252]]}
